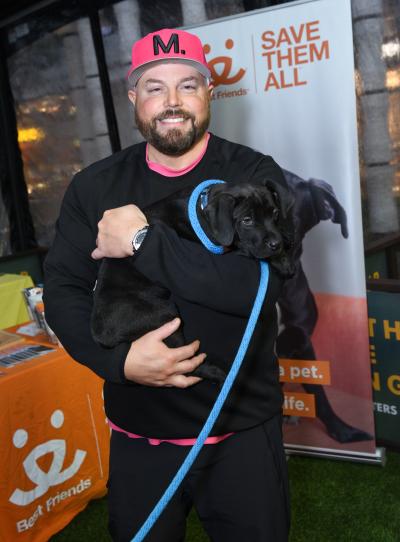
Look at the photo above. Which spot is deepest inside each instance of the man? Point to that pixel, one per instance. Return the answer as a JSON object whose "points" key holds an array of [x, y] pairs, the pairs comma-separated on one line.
{"points": [[238, 484]]}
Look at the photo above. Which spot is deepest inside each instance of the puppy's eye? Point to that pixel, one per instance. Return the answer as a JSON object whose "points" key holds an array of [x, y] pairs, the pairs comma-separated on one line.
{"points": [[247, 221], [275, 214]]}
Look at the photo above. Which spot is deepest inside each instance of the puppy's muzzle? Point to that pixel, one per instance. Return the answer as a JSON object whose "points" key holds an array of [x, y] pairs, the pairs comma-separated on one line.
{"points": [[273, 244]]}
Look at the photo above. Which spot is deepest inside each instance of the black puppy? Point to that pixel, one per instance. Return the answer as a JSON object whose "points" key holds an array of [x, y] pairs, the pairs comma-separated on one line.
{"points": [[253, 219]]}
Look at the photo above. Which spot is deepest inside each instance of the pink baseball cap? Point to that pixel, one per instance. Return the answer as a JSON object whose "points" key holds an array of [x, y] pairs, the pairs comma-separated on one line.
{"points": [[167, 45]]}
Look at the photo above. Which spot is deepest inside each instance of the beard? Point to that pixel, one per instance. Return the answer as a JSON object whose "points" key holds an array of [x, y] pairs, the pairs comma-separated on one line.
{"points": [[175, 141]]}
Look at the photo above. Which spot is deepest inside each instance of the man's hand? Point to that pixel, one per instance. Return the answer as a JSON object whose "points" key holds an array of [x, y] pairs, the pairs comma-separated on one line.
{"points": [[150, 362], [116, 231]]}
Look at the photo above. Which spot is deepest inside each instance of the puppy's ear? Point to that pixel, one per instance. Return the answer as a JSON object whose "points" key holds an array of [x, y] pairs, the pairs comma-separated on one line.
{"points": [[283, 196], [219, 215], [326, 204], [284, 199]]}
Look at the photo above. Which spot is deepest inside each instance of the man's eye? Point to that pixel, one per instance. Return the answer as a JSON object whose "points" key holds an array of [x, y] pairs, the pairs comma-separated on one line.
{"points": [[189, 88], [275, 214], [154, 90], [247, 221]]}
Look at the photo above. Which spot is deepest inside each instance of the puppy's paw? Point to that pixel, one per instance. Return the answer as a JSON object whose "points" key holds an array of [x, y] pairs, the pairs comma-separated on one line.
{"points": [[175, 340], [344, 433], [210, 372]]}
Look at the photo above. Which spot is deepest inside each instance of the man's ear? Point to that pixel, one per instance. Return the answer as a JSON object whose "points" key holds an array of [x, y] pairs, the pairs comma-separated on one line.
{"points": [[219, 215], [132, 96]]}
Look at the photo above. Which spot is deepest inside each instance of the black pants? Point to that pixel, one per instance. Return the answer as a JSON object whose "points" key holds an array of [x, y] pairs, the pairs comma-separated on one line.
{"points": [[239, 487]]}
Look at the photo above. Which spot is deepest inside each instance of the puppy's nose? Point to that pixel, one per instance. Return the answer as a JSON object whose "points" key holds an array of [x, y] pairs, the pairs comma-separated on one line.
{"points": [[274, 245]]}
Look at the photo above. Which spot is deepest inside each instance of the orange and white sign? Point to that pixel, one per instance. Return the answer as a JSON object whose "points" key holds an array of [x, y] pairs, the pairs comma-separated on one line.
{"points": [[299, 404], [304, 371], [54, 446]]}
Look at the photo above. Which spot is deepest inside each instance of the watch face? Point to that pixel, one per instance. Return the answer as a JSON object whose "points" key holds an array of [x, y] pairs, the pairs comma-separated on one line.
{"points": [[138, 239], [141, 235]]}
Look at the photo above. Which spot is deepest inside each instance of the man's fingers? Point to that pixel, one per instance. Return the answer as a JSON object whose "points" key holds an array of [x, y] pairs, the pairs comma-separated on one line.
{"points": [[189, 365], [182, 381], [182, 352], [185, 352], [97, 254], [167, 329]]}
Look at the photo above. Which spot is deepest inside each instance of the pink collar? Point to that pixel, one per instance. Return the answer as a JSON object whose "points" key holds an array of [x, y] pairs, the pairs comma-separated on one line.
{"points": [[169, 172]]}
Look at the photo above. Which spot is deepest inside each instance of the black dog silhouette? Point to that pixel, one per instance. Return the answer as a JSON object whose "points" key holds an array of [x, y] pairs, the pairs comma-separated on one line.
{"points": [[315, 200]]}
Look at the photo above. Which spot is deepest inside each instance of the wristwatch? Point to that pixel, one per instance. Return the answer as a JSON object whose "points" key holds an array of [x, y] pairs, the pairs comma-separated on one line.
{"points": [[138, 238]]}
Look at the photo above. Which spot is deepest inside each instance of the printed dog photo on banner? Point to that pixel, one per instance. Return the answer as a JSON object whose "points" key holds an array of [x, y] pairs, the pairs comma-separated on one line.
{"points": [[318, 327], [284, 78]]}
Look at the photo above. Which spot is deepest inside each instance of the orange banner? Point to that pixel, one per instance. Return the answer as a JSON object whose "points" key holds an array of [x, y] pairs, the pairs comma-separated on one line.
{"points": [[303, 371], [299, 404]]}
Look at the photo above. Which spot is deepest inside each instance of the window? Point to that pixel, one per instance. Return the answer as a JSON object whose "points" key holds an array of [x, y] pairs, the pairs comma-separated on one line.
{"points": [[60, 112]]}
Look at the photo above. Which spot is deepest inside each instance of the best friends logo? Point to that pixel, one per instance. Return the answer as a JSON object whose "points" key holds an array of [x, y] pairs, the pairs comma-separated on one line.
{"points": [[269, 60], [223, 73], [43, 479], [56, 474]]}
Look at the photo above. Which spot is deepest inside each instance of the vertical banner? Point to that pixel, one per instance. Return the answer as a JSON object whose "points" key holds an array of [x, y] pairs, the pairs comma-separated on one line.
{"points": [[284, 85], [384, 336]]}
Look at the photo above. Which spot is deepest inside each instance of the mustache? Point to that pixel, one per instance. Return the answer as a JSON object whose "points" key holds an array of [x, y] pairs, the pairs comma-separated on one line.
{"points": [[170, 113]]}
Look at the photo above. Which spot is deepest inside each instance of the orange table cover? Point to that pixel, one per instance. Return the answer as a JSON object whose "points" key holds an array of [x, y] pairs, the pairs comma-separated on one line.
{"points": [[54, 444]]}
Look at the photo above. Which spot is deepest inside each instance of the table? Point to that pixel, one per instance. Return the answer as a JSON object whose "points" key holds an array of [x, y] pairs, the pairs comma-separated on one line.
{"points": [[12, 305], [54, 444]]}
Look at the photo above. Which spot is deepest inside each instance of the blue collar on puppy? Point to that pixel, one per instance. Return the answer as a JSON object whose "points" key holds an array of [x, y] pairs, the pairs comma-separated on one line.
{"points": [[201, 191]]}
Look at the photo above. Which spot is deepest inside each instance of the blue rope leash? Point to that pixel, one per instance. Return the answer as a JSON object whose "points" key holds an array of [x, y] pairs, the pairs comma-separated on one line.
{"points": [[190, 458], [216, 249]]}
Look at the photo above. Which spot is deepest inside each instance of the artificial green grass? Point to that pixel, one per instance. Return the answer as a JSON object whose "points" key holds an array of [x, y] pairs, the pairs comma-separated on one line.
{"points": [[332, 501], [345, 502]]}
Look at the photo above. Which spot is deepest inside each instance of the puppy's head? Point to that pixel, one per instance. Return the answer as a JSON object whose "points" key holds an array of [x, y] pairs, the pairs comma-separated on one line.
{"points": [[249, 218]]}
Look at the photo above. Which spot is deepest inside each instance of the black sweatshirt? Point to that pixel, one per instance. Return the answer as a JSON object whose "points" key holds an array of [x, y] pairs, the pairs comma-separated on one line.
{"points": [[214, 295]]}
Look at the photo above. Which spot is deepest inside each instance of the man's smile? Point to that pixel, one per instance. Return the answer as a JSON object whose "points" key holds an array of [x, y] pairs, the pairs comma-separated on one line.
{"points": [[173, 120]]}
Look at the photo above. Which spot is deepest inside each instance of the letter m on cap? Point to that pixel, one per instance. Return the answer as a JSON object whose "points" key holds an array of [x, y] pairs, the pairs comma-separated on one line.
{"points": [[159, 44]]}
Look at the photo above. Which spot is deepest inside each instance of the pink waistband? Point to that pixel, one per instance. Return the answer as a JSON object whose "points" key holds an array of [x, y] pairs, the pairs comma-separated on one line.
{"points": [[178, 442]]}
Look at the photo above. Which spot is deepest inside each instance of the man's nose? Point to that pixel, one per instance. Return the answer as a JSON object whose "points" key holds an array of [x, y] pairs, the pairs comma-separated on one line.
{"points": [[173, 98]]}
